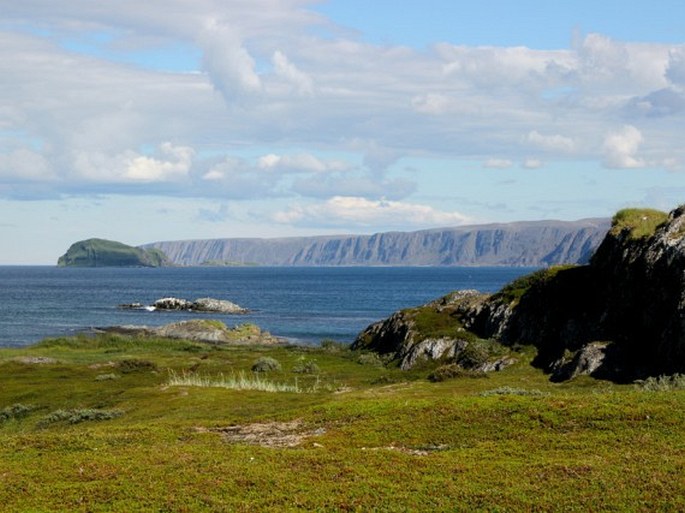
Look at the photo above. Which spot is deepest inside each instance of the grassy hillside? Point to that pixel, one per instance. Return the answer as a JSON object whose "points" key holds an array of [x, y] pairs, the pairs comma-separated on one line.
{"points": [[107, 253], [119, 424]]}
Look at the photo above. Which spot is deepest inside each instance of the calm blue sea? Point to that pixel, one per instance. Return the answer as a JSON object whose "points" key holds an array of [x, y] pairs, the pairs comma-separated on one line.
{"points": [[303, 304]]}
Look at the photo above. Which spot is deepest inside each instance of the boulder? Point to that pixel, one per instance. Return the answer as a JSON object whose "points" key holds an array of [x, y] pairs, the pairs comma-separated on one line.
{"points": [[208, 304]]}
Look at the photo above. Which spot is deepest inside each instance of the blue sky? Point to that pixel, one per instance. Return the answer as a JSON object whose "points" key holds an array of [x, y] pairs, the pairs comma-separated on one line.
{"points": [[178, 119]]}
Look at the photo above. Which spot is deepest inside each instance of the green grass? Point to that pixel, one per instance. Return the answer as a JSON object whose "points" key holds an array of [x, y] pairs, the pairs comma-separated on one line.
{"points": [[639, 222], [372, 438]]}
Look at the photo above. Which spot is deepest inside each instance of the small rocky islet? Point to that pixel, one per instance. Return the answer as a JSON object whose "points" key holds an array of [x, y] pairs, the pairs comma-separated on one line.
{"points": [[201, 305]]}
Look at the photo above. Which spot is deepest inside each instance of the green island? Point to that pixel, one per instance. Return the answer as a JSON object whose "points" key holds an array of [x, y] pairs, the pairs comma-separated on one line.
{"points": [[552, 395], [108, 253]]}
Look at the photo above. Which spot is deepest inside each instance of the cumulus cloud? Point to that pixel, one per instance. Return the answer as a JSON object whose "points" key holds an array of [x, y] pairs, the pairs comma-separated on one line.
{"points": [[172, 163], [361, 212], [621, 146]]}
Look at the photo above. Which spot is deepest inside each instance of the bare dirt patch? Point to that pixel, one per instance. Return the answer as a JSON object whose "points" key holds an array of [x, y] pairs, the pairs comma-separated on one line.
{"points": [[35, 360], [269, 434]]}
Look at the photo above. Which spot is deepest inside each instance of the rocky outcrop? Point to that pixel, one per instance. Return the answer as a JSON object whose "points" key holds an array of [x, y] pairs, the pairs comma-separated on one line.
{"points": [[621, 316], [434, 332], [201, 330], [537, 243], [201, 305]]}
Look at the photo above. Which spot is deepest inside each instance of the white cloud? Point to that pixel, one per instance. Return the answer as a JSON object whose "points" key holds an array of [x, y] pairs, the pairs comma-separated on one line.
{"points": [[498, 163], [675, 71], [229, 64], [302, 162], [620, 148], [556, 142], [148, 169], [532, 164], [302, 82], [26, 165], [359, 212], [172, 163]]}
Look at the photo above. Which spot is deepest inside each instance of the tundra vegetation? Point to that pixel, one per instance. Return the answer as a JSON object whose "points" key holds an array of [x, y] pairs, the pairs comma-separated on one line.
{"points": [[174, 432]]}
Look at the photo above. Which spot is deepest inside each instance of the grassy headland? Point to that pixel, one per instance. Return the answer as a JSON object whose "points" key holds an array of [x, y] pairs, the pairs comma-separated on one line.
{"points": [[105, 424]]}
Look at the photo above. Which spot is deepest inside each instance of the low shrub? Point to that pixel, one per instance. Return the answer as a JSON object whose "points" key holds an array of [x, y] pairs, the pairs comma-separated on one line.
{"points": [[266, 364], [136, 365], [662, 383], [16, 411], [452, 371], [306, 366], [370, 359], [78, 416], [333, 346]]}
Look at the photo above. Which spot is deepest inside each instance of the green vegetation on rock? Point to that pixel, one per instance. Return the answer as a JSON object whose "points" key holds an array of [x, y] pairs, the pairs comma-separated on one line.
{"points": [[514, 291], [639, 222], [107, 253]]}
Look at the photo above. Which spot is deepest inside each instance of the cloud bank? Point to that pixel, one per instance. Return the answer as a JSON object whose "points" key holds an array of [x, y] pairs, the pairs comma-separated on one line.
{"points": [[280, 104]]}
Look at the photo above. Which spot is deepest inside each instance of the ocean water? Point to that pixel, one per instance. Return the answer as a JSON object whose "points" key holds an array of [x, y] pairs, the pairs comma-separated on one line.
{"points": [[304, 304]]}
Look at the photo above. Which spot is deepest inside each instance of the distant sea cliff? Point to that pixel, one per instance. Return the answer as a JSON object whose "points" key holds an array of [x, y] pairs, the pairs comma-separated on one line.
{"points": [[534, 243]]}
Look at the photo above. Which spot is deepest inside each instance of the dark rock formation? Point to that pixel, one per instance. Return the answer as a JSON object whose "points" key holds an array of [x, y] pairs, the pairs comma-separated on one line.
{"points": [[621, 317], [536, 243]]}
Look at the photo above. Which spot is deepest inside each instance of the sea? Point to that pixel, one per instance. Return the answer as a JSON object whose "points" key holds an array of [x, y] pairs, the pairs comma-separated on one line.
{"points": [[302, 304]]}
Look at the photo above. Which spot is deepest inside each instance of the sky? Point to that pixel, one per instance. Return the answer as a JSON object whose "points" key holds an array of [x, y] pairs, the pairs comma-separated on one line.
{"points": [[187, 119]]}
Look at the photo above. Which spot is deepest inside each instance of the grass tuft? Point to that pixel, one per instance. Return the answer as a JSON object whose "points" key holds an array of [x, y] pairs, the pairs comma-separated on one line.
{"points": [[239, 381], [639, 222]]}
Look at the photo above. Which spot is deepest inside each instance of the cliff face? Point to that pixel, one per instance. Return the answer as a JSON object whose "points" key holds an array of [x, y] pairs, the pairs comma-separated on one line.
{"points": [[622, 316], [107, 253], [517, 244]]}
